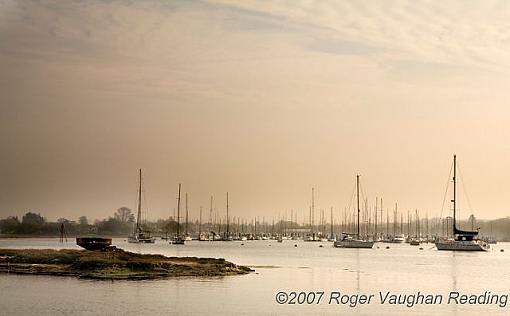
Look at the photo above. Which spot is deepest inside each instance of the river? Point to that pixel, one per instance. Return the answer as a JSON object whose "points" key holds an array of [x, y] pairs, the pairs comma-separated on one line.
{"points": [[289, 266]]}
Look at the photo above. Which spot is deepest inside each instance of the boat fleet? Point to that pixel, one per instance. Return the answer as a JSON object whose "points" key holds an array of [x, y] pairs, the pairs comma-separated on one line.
{"points": [[458, 240]]}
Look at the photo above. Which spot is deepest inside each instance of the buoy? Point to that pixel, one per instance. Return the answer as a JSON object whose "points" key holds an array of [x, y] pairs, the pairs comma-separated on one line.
{"points": [[320, 246], [242, 244], [502, 250], [421, 248], [387, 247], [295, 245]]}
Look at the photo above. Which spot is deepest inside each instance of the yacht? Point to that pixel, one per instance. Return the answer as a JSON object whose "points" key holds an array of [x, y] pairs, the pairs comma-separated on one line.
{"points": [[463, 240], [350, 240], [139, 236]]}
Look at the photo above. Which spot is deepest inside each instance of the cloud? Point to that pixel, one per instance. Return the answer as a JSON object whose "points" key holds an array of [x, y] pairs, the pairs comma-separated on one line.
{"points": [[467, 34]]}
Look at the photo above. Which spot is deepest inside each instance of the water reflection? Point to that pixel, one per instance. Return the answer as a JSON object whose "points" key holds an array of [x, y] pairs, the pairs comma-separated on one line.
{"points": [[401, 269]]}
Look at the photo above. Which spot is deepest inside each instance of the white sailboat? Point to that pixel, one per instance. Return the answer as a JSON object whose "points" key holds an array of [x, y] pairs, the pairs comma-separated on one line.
{"points": [[178, 239], [139, 236], [350, 240], [463, 240]]}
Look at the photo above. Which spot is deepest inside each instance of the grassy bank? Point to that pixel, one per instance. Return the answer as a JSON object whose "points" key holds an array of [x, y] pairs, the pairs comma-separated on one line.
{"points": [[117, 265]]}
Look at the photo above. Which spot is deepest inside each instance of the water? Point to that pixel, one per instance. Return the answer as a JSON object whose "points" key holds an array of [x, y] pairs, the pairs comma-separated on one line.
{"points": [[279, 267]]}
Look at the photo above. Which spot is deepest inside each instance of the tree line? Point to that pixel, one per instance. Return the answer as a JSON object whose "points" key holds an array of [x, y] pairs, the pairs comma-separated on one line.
{"points": [[32, 223]]}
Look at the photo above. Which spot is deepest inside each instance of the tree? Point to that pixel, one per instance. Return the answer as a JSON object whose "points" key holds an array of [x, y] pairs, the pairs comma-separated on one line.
{"points": [[83, 221], [123, 214], [32, 223], [9, 225]]}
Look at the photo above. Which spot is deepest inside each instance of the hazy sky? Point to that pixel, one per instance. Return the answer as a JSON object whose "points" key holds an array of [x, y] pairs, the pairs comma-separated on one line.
{"points": [[261, 99]]}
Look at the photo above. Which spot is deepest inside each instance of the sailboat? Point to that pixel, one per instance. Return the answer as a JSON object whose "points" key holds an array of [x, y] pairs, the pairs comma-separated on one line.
{"points": [[139, 236], [331, 234], [416, 241], [201, 236], [178, 239], [463, 240], [187, 237], [350, 240], [227, 236], [312, 236]]}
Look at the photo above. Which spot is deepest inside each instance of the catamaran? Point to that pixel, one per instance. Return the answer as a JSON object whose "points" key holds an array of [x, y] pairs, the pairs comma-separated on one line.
{"points": [[350, 240], [463, 240], [139, 236]]}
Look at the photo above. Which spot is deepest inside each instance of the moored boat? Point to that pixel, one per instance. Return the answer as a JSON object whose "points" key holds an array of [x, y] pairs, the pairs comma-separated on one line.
{"points": [[178, 239], [463, 240], [349, 240], [139, 236], [94, 243]]}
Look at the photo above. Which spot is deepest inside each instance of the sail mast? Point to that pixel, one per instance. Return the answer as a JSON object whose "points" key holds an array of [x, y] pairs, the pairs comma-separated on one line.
{"points": [[312, 215], [375, 224], [186, 226], [211, 214], [357, 198], [200, 223], [179, 211], [139, 217], [227, 216], [331, 235], [454, 188]]}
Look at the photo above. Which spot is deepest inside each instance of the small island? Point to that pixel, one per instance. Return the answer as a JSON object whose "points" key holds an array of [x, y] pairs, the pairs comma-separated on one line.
{"points": [[115, 264]]}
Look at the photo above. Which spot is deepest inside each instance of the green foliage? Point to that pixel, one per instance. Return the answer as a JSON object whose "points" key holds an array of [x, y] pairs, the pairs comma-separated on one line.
{"points": [[9, 225]]}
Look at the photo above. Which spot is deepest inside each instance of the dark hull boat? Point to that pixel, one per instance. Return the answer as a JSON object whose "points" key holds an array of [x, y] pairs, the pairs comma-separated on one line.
{"points": [[94, 243]]}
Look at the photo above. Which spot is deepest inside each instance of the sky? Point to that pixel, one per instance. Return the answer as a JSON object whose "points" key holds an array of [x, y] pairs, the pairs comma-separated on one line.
{"points": [[263, 99]]}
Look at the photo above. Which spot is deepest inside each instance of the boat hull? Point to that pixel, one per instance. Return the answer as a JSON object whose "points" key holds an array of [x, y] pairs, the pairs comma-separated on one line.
{"points": [[94, 243], [353, 244], [453, 245], [141, 241]]}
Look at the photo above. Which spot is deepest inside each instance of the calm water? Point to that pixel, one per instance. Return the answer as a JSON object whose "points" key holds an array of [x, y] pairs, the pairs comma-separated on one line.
{"points": [[402, 269]]}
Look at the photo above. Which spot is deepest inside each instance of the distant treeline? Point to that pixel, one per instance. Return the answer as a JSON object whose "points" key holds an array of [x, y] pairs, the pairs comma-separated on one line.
{"points": [[122, 222], [32, 223]]}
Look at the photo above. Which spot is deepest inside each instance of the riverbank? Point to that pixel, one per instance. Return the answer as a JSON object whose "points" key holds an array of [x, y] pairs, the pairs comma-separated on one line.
{"points": [[112, 265]]}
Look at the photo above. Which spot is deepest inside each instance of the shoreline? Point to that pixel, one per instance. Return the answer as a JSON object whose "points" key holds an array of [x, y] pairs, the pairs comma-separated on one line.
{"points": [[112, 265]]}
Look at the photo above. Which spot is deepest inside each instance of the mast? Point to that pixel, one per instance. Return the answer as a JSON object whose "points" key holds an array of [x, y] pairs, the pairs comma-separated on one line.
{"points": [[211, 213], [331, 222], [186, 226], [395, 220], [139, 217], [375, 226], [417, 224], [454, 188], [227, 216], [402, 223], [387, 223], [357, 198], [408, 225], [312, 214], [179, 211], [200, 223]]}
